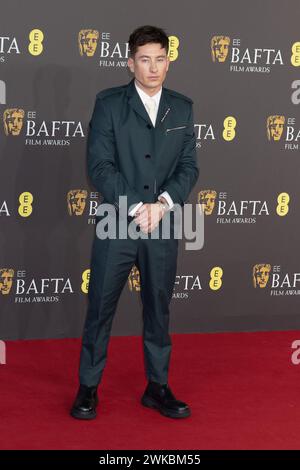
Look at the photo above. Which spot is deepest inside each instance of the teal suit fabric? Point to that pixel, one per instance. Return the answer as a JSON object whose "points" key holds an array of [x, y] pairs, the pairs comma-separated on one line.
{"points": [[128, 156]]}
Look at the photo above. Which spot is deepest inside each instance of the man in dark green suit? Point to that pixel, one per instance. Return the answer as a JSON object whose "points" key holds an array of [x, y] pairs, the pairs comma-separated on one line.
{"points": [[141, 145]]}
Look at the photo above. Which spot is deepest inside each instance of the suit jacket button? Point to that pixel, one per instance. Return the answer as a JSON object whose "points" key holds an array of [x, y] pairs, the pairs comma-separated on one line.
{"points": [[147, 155], [149, 126], [146, 186]]}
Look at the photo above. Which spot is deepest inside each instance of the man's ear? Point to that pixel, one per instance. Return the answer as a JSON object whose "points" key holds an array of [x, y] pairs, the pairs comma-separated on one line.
{"points": [[168, 62], [130, 64]]}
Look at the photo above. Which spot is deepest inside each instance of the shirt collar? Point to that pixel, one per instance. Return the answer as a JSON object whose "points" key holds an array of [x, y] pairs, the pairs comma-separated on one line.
{"points": [[144, 95]]}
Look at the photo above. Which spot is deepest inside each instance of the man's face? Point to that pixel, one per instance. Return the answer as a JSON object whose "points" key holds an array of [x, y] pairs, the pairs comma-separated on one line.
{"points": [[150, 65]]}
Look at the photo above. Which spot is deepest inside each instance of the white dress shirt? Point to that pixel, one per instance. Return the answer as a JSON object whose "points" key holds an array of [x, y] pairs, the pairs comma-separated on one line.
{"points": [[144, 97]]}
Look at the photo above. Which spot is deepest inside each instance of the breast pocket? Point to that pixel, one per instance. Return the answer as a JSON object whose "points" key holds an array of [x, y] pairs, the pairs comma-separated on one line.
{"points": [[175, 130]]}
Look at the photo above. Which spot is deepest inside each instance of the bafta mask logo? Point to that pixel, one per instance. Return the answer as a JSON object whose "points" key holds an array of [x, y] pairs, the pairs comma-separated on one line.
{"points": [[275, 126], [261, 274], [76, 201], [219, 48], [206, 200], [6, 280], [13, 121], [87, 41], [134, 279]]}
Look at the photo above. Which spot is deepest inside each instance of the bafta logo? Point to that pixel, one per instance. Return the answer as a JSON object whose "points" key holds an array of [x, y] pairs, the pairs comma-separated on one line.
{"points": [[261, 274], [6, 280], [134, 279], [87, 41], [219, 48], [76, 201], [206, 201], [13, 121], [275, 126]]}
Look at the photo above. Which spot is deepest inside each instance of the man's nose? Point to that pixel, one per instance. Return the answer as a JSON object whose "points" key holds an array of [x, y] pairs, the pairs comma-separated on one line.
{"points": [[153, 66]]}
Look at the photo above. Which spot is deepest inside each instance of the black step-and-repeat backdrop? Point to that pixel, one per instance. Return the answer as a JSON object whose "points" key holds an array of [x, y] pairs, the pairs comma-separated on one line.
{"points": [[239, 62]]}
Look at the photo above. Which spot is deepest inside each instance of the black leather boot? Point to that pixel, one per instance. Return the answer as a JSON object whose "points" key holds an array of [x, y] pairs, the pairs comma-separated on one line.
{"points": [[85, 403], [160, 397]]}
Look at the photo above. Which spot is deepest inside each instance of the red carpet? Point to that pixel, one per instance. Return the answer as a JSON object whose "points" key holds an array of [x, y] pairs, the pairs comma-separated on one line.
{"points": [[243, 390]]}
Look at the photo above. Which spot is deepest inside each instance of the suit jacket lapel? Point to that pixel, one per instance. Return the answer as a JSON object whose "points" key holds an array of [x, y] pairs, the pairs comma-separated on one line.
{"points": [[164, 108], [135, 101]]}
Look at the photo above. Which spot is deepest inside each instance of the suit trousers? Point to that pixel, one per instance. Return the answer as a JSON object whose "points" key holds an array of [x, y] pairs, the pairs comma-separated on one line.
{"points": [[111, 263]]}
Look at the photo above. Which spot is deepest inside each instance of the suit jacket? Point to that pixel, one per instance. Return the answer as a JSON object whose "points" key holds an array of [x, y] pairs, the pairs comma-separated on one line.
{"points": [[127, 155]]}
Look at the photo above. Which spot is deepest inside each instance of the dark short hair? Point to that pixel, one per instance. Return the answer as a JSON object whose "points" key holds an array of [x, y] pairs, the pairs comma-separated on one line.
{"points": [[146, 34]]}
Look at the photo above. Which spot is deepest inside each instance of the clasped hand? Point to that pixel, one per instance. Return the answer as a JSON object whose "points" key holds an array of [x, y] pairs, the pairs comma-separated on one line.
{"points": [[148, 216]]}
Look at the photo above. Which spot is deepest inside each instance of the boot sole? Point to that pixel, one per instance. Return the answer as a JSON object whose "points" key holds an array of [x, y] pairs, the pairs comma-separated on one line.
{"points": [[149, 403], [87, 416]]}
